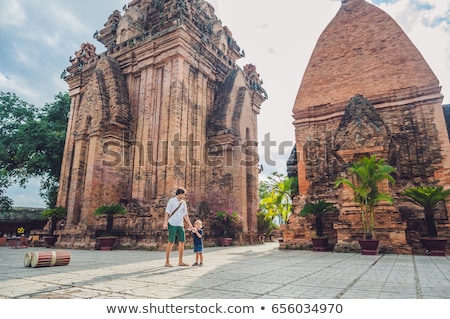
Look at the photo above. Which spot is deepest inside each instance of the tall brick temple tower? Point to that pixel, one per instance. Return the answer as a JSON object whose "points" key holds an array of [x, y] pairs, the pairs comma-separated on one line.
{"points": [[367, 90], [165, 106]]}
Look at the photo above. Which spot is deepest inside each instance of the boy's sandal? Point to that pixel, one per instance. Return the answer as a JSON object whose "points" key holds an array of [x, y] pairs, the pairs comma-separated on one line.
{"points": [[194, 264]]}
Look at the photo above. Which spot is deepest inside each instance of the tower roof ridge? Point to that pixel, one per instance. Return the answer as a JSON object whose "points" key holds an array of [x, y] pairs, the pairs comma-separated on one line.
{"points": [[361, 51]]}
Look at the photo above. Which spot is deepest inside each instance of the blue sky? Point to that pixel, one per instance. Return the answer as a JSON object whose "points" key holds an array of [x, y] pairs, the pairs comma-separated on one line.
{"points": [[38, 37]]}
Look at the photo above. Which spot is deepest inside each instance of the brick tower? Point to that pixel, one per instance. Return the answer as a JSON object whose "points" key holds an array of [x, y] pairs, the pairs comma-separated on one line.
{"points": [[165, 106], [367, 90]]}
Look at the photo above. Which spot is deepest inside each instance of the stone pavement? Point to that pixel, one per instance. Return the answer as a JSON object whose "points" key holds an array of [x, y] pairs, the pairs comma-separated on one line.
{"points": [[244, 272]]}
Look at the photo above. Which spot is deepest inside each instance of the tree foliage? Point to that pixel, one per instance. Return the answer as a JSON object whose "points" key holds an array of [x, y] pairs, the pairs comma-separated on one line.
{"points": [[109, 211], [369, 173], [5, 201], [54, 214], [427, 197], [265, 224], [318, 209], [228, 220], [276, 195], [32, 142]]}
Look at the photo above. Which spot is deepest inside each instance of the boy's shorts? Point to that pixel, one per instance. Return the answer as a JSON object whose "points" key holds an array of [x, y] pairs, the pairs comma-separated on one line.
{"points": [[198, 248]]}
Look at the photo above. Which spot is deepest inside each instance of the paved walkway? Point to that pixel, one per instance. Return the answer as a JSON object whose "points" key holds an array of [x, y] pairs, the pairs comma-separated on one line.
{"points": [[246, 272]]}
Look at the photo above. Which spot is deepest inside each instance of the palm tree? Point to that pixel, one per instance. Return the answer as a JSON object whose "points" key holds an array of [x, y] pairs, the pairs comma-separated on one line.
{"points": [[54, 214], [319, 209], [369, 173], [427, 197], [110, 211], [276, 196]]}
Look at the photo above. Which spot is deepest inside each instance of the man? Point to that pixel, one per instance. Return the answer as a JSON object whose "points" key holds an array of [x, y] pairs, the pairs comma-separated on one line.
{"points": [[176, 214]]}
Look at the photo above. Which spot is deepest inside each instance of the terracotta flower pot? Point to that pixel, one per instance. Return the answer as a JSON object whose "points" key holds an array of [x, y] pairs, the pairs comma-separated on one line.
{"points": [[369, 246], [50, 240], [106, 243], [434, 246], [320, 243], [225, 241]]}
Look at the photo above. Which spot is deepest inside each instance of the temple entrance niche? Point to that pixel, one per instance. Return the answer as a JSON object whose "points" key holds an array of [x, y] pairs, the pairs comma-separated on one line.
{"points": [[363, 133]]}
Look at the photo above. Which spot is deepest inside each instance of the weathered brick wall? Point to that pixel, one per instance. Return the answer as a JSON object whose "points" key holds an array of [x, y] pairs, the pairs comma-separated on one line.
{"points": [[143, 123], [364, 53]]}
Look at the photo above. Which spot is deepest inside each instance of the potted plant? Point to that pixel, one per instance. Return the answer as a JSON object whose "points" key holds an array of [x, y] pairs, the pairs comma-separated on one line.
{"points": [[265, 226], [107, 240], [54, 215], [368, 174], [228, 221], [318, 209], [428, 197]]}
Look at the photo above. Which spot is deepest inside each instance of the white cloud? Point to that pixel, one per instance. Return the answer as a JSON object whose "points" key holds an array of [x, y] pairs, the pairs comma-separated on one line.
{"points": [[11, 84], [67, 20], [41, 37], [12, 14], [26, 197], [3, 79], [403, 13]]}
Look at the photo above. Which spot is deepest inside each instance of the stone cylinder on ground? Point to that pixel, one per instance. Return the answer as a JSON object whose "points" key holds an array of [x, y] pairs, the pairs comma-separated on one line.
{"points": [[47, 258], [41, 259], [27, 259]]}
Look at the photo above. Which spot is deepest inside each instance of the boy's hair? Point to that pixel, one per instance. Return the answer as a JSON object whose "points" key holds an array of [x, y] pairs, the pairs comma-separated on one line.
{"points": [[198, 221]]}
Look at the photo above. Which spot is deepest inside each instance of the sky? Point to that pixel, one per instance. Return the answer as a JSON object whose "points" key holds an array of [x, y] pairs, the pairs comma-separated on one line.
{"points": [[38, 36]]}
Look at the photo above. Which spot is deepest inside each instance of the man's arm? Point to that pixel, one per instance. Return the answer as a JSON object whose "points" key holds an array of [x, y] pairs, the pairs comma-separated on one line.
{"points": [[188, 220], [166, 218]]}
